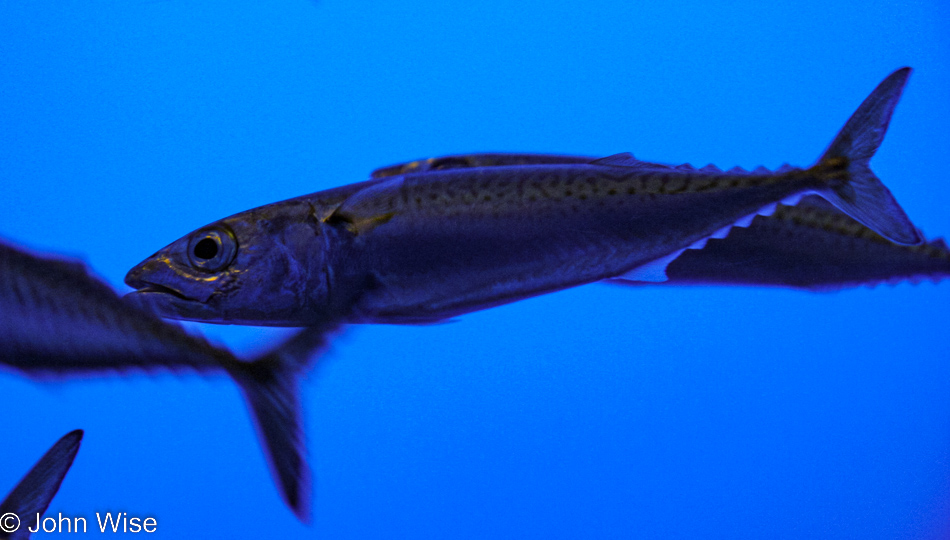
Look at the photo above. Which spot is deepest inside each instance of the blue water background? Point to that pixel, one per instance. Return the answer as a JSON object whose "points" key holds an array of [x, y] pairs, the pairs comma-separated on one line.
{"points": [[596, 412]]}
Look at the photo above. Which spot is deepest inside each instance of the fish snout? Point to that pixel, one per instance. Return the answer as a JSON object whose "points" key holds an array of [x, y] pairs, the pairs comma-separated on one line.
{"points": [[159, 275], [134, 277]]}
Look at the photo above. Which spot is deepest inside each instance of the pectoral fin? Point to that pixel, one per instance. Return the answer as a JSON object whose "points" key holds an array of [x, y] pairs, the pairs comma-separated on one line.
{"points": [[358, 225], [368, 208]]}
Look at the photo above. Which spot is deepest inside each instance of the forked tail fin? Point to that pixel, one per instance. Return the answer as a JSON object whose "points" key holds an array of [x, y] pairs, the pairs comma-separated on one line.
{"points": [[271, 387], [862, 195]]}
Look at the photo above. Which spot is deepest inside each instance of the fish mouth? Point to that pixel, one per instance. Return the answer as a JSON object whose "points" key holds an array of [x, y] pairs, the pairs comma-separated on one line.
{"points": [[169, 290], [169, 303], [154, 288], [158, 276]]}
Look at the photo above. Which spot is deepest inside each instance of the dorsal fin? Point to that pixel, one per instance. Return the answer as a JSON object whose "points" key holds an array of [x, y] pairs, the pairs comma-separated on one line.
{"points": [[761, 169], [711, 169], [623, 159], [685, 167], [737, 170], [398, 168], [940, 243]]}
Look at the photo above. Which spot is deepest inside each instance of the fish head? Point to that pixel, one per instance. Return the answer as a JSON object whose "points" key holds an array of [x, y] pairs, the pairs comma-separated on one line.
{"points": [[262, 267]]}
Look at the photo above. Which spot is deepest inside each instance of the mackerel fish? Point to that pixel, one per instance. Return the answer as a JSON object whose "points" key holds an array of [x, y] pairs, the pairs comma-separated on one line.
{"points": [[424, 246]]}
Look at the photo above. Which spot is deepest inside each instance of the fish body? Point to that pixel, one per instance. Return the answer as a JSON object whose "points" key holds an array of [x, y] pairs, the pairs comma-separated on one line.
{"points": [[416, 247], [456, 241], [811, 245], [56, 319], [32, 494]]}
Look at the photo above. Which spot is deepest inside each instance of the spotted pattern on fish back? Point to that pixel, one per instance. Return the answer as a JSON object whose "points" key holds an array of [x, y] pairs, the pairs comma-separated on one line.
{"points": [[497, 189]]}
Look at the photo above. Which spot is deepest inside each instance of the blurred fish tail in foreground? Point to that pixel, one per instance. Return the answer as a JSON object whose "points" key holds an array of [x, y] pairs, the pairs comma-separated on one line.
{"points": [[271, 388], [57, 320]]}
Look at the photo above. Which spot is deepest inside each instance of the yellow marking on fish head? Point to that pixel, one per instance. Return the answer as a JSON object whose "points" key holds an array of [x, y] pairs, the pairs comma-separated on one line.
{"points": [[257, 267]]}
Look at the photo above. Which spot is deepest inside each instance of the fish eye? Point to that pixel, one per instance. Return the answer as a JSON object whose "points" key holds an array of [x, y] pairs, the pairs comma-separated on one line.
{"points": [[212, 249], [206, 248]]}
